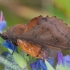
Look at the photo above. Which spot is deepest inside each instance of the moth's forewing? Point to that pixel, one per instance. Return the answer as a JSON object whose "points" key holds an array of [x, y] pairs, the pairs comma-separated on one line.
{"points": [[14, 32], [33, 23], [50, 31]]}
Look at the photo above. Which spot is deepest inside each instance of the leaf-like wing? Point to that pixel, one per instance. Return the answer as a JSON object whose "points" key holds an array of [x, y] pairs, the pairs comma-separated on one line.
{"points": [[49, 31]]}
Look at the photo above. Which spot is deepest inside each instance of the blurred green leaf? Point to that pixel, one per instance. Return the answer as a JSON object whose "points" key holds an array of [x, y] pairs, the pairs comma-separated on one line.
{"points": [[19, 59]]}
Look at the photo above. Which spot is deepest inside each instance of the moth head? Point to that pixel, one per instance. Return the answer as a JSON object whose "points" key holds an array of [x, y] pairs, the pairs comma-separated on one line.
{"points": [[4, 35]]}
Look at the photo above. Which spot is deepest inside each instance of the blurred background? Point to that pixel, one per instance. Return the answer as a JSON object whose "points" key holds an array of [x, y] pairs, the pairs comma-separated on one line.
{"points": [[21, 11]]}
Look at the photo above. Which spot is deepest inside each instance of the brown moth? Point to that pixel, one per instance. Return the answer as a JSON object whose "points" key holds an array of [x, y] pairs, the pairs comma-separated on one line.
{"points": [[41, 36]]}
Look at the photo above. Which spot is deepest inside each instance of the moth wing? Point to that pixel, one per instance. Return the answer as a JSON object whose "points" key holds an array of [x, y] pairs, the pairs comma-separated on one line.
{"points": [[32, 23], [30, 48], [50, 31]]}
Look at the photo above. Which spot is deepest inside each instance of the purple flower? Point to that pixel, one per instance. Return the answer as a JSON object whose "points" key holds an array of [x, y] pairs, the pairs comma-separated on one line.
{"points": [[10, 45], [60, 58], [40, 64], [3, 23], [64, 60]]}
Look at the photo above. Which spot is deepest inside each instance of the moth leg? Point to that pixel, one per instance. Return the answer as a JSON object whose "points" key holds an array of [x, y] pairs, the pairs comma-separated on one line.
{"points": [[13, 51], [27, 54]]}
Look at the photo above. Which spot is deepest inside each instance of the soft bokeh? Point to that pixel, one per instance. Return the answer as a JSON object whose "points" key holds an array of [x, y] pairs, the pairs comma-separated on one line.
{"points": [[21, 11]]}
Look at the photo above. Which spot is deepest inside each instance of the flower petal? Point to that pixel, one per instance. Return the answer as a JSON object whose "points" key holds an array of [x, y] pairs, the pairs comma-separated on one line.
{"points": [[66, 60], [9, 45], [39, 64], [3, 25], [60, 58], [49, 67], [43, 65], [51, 61], [35, 65], [1, 16], [63, 62]]}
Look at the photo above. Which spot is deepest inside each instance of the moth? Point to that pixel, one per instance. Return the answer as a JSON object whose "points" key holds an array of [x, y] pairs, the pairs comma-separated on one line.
{"points": [[41, 37]]}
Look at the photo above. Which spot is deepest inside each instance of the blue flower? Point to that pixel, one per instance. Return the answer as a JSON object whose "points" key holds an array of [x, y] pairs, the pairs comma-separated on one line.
{"points": [[9, 45], [63, 62], [40, 64], [5, 54], [66, 60], [51, 61], [3, 23]]}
